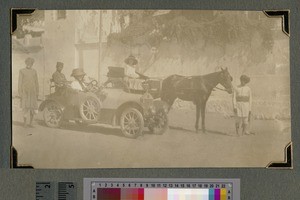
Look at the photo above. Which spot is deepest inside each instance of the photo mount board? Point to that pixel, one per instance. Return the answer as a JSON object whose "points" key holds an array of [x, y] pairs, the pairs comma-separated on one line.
{"points": [[249, 184]]}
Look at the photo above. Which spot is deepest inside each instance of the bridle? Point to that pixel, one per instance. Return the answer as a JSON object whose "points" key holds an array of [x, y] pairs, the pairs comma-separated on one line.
{"points": [[221, 89]]}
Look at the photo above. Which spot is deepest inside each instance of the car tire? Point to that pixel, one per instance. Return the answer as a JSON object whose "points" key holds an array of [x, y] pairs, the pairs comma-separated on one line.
{"points": [[89, 109], [53, 115], [132, 122]]}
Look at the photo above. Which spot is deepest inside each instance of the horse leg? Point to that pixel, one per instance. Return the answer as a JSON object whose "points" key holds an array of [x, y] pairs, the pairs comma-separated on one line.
{"points": [[203, 105], [197, 117]]}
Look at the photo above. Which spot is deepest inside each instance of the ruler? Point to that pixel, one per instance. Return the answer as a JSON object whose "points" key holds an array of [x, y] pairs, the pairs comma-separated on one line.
{"points": [[163, 189], [67, 191], [54, 191], [44, 191]]}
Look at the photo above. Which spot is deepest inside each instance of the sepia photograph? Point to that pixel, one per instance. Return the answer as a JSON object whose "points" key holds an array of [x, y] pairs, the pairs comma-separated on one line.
{"points": [[150, 89]]}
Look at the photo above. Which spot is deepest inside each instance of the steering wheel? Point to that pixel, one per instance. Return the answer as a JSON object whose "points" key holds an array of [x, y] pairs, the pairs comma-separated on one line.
{"points": [[92, 86]]}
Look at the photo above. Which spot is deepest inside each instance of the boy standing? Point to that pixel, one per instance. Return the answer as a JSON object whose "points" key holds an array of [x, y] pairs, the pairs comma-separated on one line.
{"points": [[242, 101]]}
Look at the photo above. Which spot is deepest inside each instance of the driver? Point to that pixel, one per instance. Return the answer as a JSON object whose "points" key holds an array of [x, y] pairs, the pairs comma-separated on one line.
{"points": [[78, 83]]}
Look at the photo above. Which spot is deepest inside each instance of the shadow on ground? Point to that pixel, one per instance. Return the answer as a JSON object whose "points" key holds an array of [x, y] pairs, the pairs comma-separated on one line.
{"points": [[199, 131], [71, 126]]}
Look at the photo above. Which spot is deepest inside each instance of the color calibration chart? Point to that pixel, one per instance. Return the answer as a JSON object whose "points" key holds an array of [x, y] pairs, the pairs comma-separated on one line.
{"points": [[161, 189]]}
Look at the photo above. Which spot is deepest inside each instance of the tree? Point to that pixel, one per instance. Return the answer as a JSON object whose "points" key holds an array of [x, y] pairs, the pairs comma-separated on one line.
{"points": [[28, 24]]}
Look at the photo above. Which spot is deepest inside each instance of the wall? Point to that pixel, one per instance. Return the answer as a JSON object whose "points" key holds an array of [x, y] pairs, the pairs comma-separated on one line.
{"points": [[59, 40]]}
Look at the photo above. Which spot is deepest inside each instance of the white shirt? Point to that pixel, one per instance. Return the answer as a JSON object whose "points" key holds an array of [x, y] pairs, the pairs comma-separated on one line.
{"points": [[76, 85], [130, 72], [243, 108]]}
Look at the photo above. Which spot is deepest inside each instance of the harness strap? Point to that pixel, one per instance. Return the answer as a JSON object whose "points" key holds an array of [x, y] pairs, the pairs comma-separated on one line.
{"points": [[220, 89]]}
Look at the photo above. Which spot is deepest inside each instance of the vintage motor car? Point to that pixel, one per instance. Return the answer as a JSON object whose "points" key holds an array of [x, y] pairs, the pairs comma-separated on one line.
{"points": [[112, 103]]}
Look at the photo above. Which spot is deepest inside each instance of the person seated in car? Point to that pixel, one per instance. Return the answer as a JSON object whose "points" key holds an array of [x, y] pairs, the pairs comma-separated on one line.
{"points": [[132, 76], [78, 84], [130, 67], [58, 77]]}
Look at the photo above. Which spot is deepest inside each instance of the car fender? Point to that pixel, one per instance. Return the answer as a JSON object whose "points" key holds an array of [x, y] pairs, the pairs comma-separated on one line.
{"points": [[117, 97], [44, 103], [122, 107]]}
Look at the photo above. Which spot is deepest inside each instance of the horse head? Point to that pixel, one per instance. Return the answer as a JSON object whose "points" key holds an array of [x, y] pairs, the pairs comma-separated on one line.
{"points": [[226, 79]]}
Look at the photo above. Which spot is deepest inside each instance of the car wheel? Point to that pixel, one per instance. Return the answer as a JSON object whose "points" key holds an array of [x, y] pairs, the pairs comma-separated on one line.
{"points": [[132, 122], [89, 109], [160, 124], [53, 115]]}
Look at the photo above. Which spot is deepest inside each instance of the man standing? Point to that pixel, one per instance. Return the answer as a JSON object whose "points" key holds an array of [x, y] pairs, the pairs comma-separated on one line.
{"points": [[58, 77], [242, 102], [28, 91]]}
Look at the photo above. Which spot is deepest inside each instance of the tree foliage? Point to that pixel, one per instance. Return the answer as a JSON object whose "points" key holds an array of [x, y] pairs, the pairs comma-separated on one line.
{"points": [[194, 31], [188, 27], [34, 20]]}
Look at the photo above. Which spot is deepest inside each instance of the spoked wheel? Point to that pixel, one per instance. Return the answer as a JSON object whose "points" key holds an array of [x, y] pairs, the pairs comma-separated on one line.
{"points": [[160, 123], [53, 115], [89, 109], [132, 122]]}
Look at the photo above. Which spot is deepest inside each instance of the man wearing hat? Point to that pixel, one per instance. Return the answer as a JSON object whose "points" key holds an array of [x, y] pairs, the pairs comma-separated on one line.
{"points": [[78, 83], [58, 77], [242, 101], [28, 88]]}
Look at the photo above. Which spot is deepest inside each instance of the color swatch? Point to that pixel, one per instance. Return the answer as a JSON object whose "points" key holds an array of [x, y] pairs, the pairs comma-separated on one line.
{"points": [[161, 194]]}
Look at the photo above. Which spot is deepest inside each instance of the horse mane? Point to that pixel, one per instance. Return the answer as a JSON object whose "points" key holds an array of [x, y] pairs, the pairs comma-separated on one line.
{"points": [[211, 74]]}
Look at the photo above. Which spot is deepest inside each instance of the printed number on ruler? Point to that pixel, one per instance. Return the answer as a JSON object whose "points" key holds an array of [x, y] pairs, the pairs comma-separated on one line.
{"points": [[44, 191], [67, 191], [104, 190]]}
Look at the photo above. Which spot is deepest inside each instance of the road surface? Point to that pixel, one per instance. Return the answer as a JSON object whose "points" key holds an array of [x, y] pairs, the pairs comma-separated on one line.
{"points": [[96, 146]]}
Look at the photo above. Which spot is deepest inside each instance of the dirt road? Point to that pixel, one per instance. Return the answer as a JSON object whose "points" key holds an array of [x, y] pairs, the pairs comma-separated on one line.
{"points": [[98, 146]]}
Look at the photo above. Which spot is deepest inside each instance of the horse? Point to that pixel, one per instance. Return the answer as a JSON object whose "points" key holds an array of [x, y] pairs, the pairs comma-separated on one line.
{"points": [[196, 89]]}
